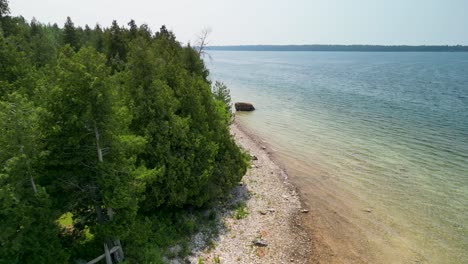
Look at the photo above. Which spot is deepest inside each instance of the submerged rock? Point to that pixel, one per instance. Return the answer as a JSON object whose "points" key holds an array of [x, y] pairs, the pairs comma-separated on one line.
{"points": [[244, 106]]}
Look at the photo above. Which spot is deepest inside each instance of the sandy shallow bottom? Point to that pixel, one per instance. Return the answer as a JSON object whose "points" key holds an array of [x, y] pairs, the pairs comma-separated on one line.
{"points": [[341, 227]]}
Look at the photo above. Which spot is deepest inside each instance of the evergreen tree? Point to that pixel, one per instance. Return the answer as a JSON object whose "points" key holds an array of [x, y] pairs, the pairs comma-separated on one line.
{"points": [[43, 49], [116, 45], [70, 36], [184, 126], [116, 128], [133, 29], [145, 31], [222, 93], [88, 162], [98, 39], [14, 68], [26, 215], [4, 9]]}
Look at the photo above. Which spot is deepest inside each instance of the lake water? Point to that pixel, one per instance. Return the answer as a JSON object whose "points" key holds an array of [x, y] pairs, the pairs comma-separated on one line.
{"points": [[376, 142]]}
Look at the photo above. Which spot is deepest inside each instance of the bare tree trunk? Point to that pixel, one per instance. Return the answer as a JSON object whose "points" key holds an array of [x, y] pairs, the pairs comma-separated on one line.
{"points": [[99, 153], [98, 147], [110, 213], [120, 251], [31, 179], [108, 255], [20, 143], [33, 184], [98, 209], [202, 41]]}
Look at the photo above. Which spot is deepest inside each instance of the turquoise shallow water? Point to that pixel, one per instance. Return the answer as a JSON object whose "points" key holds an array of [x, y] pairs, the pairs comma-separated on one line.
{"points": [[392, 128]]}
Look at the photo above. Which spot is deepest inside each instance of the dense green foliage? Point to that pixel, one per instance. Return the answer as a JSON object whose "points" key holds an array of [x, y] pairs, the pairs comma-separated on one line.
{"points": [[116, 128], [222, 93]]}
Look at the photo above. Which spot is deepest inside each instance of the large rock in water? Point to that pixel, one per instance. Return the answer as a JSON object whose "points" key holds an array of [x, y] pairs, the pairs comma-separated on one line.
{"points": [[244, 107]]}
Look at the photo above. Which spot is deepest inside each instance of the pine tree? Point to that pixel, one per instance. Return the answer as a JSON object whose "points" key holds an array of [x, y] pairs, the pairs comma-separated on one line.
{"points": [[26, 213], [117, 128], [133, 29], [98, 39], [222, 93], [4, 9], [89, 161], [70, 36], [116, 45]]}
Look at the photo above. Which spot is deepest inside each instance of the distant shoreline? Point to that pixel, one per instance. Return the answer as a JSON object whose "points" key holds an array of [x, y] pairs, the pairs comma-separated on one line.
{"points": [[342, 48]]}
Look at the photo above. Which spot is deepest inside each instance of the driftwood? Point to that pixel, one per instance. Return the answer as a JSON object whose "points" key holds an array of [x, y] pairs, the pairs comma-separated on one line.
{"points": [[107, 255]]}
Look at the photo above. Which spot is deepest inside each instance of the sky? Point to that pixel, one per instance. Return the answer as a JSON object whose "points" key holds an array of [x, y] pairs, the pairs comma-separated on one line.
{"points": [[276, 22]]}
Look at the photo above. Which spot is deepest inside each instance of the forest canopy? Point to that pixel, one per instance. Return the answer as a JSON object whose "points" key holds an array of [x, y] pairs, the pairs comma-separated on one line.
{"points": [[107, 136]]}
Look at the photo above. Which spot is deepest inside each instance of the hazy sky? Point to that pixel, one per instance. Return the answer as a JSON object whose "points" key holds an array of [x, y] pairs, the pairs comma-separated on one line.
{"points": [[412, 22]]}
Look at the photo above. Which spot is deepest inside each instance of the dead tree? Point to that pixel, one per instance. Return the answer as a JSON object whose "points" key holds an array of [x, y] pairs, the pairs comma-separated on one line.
{"points": [[202, 42]]}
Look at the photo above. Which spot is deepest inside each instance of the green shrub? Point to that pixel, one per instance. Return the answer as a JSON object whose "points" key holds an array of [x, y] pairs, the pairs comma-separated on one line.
{"points": [[241, 211]]}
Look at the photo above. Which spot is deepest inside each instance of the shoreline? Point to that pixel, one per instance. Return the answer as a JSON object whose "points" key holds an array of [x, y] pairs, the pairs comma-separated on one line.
{"points": [[331, 234], [339, 229], [333, 237], [318, 249], [275, 214]]}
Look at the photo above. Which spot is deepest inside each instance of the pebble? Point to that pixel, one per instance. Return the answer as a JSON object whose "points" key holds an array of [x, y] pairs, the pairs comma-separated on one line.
{"points": [[260, 242], [272, 209], [305, 211]]}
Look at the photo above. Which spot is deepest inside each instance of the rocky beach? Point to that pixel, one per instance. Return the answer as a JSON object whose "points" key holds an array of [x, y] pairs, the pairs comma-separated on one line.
{"points": [[270, 230]]}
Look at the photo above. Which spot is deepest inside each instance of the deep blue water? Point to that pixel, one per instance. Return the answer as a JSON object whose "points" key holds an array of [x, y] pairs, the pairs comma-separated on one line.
{"points": [[391, 127]]}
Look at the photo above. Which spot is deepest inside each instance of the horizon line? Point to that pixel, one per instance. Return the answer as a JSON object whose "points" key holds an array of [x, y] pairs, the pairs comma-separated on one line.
{"points": [[381, 45]]}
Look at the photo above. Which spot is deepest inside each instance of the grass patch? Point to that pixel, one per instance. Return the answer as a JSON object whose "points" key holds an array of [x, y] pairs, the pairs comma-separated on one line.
{"points": [[65, 220], [241, 211]]}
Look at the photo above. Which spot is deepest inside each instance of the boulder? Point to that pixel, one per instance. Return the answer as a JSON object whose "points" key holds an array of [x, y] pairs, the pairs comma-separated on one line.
{"points": [[244, 106]]}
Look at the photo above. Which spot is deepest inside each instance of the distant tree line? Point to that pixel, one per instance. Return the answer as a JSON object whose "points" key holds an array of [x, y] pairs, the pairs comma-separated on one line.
{"points": [[107, 135], [363, 48]]}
